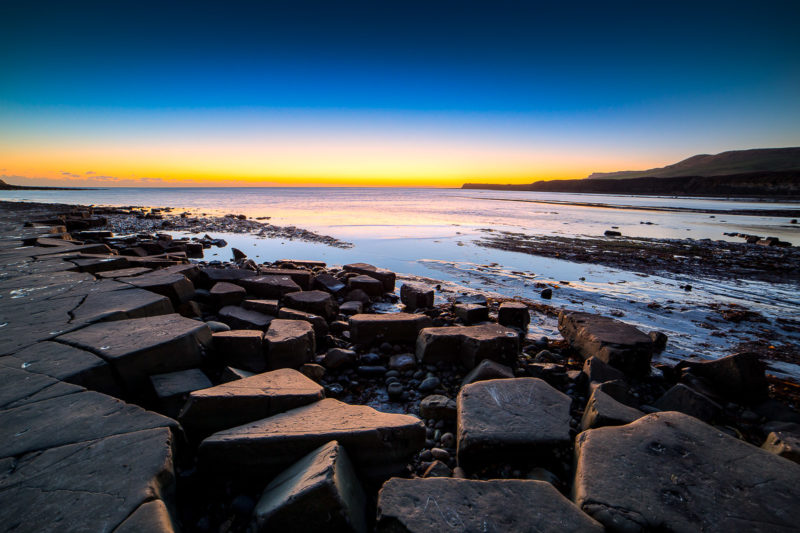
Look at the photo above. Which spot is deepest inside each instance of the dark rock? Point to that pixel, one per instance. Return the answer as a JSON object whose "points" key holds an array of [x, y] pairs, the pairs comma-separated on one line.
{"points": [[520, 417], [316, 302], [232, 374], [477, 299], [402, 362], [269, 287], [303, 278], [377, 441], [176, 287], [267, 307], [612, 233], [487, 369], [289, 343], [326, 282], [437, 469], [369, 285], [514, 314], [416, 296], [217, 327], [320, 492], [659, 340], [242, 348], [597, 371], [547, 293], [386, 277], [318, 322], [393, 327], [468, 344], [336, 357], [238, 254], [739, 377], [680, 474], [437, 407], [224, 294], [313, 371], [351, 308], [246, 400], [151, 516], [173, 388], [613, 342], [445, 504], [240, 318], [603, 410], [429, 384], [471, 313], [689, 401]]}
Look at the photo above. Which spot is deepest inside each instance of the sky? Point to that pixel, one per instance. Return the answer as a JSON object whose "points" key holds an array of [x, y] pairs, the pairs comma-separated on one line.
{"points": [[385, 93]]}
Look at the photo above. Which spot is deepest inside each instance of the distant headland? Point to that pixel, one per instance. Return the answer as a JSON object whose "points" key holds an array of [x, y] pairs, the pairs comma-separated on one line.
{"points": [[9, 187], [758, 172]]}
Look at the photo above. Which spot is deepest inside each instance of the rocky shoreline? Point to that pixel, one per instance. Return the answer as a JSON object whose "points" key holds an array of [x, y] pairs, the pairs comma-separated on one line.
{"points": [[145, 392]]}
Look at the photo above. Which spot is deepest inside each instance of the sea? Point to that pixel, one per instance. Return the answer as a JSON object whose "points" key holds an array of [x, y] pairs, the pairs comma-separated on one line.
{"points": [[431, 234]]}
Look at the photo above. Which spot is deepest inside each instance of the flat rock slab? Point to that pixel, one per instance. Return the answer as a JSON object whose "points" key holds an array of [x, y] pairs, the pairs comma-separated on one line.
{"points": [[18, 387], [468, 344], [613, 342], [71, 418], [123, 272], [289, 343], [317, 322], [672, 472], [272, 287], [447, 504], [373, 439], [392, 327], [174, 286], [87, 486], [316, 302], [320, 492], [519, 417], [100, 264], [246, 400], [121, 304], [64, 363], [386, 277], [141, 347]]}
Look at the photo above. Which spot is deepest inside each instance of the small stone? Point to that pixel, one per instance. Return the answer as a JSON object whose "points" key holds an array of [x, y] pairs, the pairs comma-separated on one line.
{"points": [[471, 313], [313, 371], [336, 357], [514, 314], [395, 390], [416, 296], [547, 293], [402, 362], [351, 308], [437, 407], [429, 384], [217, 327], [437, 469]]}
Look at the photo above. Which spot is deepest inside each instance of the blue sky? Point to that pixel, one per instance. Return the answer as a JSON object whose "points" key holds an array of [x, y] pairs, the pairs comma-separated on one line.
{"points": [[614, 86]]}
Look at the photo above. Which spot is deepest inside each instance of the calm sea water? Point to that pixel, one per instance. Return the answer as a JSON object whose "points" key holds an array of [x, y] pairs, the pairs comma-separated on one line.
{"points": [[431, 232]]}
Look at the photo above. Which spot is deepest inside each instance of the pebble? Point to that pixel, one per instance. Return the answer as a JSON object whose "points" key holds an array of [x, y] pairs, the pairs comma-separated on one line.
{"points": [[429, 384], [395, 390], [440, 454], [217, 327]]}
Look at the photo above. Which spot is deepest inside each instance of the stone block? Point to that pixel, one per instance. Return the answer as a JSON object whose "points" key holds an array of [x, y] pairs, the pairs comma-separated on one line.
{"points": [[393, 327], [241, 348], [468, 344], [289, 343]]}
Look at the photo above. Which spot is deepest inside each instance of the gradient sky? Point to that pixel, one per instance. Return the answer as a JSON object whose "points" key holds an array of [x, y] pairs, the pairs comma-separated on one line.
{"points": [[386, 93]]}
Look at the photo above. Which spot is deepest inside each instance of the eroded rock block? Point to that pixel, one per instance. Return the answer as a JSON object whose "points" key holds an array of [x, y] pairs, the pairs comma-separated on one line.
{"points": [[392, 327], [224, 294], [267, 307], [302, 277], [271, 287], [688, 401], [375, 440], [326, 282], [289, 343], [520, 417], [317, 322], [386, 277], [121, 304], [468, 344], [369, 285], [445, 504], [613, 342], [437, 407], [471, 313], [245, 400], [152, 516], [320, 492], [315, 302], [738, 377], [487, 369], [416, 296], [672, 472], [514, 314], [176, 286], [241, 348], [603, 410]]}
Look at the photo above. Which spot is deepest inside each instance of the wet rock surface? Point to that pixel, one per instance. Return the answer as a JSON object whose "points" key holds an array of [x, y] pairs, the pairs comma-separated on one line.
{"points": [[352, 371]]}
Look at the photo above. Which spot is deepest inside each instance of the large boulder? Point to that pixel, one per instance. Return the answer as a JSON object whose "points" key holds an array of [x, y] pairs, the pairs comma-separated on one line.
{"points": [[520, 418], [320, 492], [468, 344], [613, 342], [448, 504], [393, 327], [671, 472], [246, 400], [141, 347], [376, 441], [289, 343]]}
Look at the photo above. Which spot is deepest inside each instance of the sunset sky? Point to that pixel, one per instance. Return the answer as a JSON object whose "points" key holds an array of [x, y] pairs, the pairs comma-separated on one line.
{"points": [[119, 93]]}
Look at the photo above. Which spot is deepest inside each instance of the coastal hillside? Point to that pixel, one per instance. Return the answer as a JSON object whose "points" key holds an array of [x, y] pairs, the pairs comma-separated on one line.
{"points": [[723, 164]]}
